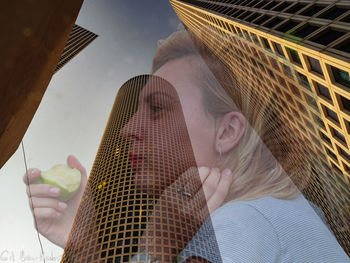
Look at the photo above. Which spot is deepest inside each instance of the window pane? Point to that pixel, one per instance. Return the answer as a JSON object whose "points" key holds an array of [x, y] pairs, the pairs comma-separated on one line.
{"points": [[332, 115], [255, 39], [344, 46], [338, 135], [312, 10], [282, 6], [318, 120], [315, 65], [345, 102], [340, 76], [266, 43], [295, 8], [323, 91], [270, 5], [333, 13], [287, 71], [327, 36], [246, 34], [324, 137], [303, 80], [287, 26], [343, 153], [331, 154], [346, 19], [305, 31], [252, 17], [262, 19], [294, 55], [279, 49], [311, 101], [273, 22], [260, 4]]}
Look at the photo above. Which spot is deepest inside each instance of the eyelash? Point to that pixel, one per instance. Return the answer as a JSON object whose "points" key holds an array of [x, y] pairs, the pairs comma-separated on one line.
{"points": [[156, 109]]}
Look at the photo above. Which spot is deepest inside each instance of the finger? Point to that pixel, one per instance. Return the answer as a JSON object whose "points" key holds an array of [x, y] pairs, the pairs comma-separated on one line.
{"points": [[200, 177], [197, 197], [37, 202], [73, 162], [222, 190], [33, 174], [211, 179], [45, 213], [198, 201], [190, 181], [203, 173], [210, 184], [43, 190], [193, 178], [194, 207]]}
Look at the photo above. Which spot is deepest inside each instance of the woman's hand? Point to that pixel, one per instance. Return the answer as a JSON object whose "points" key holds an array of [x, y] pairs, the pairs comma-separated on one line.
{"points": [[200, 191], [53, 218], [182, 209], [215, 186]]}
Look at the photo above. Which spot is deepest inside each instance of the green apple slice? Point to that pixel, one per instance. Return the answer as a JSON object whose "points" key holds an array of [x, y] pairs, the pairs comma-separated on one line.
{"points": [[66, 178]]}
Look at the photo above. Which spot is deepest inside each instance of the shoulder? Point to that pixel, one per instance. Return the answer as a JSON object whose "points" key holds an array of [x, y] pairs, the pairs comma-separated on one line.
{"points": [[274, 230], [236, 232], [274, 212], [280, 219], [266, 212], [241, 215], [245, 234]]}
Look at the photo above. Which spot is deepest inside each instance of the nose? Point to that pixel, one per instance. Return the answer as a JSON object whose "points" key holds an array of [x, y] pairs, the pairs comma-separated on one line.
{"points": [[133, 130]]}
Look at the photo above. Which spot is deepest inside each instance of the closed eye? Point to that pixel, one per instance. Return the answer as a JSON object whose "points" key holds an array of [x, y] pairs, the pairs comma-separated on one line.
{"points": [[155, 108]]}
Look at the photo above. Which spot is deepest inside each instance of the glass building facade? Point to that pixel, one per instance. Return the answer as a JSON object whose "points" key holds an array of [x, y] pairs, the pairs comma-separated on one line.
{"points": [[294, 53], [124, 212], [78, 39]]}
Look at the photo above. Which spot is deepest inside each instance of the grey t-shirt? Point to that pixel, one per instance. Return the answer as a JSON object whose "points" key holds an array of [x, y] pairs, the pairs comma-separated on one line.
{"points": [[266, 230]]}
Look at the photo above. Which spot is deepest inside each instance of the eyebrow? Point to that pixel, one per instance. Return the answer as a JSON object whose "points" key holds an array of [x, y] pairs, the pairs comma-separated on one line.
{"points": [[150, 96]]}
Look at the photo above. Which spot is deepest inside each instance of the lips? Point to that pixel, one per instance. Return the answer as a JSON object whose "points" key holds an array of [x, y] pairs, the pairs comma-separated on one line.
{"points": [[135, 160]]}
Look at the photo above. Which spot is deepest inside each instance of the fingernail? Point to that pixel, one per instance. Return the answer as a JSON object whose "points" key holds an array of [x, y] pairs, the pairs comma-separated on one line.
{"points": [[34, 171], [54, 190], [62, 205], [227, 172]]}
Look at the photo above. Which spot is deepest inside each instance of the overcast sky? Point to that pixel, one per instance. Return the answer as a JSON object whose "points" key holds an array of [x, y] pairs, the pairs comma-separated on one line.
{"points": [[73, 113]]}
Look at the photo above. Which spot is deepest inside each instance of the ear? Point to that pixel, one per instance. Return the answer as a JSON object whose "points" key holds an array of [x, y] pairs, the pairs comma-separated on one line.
{"points": [[230, 131]]}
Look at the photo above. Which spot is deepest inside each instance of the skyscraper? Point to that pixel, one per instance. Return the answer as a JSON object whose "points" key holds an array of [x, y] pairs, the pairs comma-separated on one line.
{"points": [[295, 55], [78, 39], [124, 210]]}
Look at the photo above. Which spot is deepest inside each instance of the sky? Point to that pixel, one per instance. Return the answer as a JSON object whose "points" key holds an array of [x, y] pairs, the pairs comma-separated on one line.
{"points": [[75, 108]]}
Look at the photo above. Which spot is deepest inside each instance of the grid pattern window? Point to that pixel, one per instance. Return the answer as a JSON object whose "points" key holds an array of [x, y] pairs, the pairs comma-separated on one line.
{"points": [[78, 39], [315, 23], [310, 84], [119, 218]]}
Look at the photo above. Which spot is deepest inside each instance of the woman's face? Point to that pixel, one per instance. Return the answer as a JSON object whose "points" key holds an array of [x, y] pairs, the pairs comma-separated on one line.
{"points": [[171, 131]]}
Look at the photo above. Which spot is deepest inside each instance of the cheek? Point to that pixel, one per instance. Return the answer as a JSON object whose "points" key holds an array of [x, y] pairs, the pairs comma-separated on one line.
{"points": [[202, 152], [202, 135]]}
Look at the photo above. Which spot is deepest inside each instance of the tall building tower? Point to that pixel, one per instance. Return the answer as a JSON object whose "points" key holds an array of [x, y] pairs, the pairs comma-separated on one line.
{"points": [[78, 39], [295, 54], [125, 213]]}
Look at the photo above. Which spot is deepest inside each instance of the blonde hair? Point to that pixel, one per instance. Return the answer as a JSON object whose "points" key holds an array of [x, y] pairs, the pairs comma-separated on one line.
{"points": [[257, 173]]}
